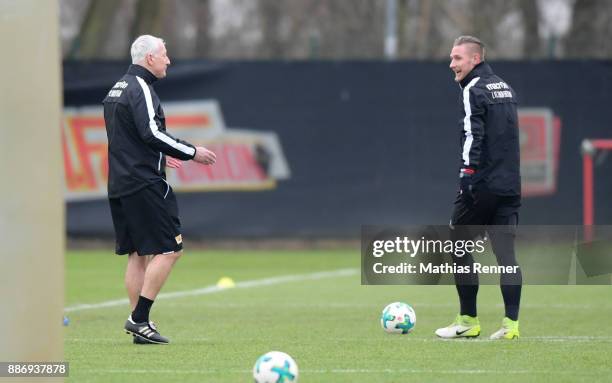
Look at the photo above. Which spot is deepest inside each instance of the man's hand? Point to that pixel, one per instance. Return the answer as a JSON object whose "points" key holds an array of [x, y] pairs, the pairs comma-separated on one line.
{"points": [[466, 183], [204, 156], [173, 163]]}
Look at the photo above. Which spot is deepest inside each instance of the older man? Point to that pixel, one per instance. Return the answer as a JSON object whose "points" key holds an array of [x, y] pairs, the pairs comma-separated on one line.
{"points": [[143, 205]]}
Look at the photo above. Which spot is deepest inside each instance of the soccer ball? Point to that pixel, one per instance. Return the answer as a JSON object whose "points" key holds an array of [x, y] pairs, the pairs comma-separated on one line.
{"points": [[275, 367], [398, 318]]}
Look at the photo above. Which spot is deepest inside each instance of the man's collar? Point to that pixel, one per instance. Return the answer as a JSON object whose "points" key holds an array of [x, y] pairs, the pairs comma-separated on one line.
{"points": [[142, 72], [479, 70]]}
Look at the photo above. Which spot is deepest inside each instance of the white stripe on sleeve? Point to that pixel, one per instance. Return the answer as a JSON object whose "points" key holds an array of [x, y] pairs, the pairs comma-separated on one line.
{"points": [[467, 123], [153, 125]]}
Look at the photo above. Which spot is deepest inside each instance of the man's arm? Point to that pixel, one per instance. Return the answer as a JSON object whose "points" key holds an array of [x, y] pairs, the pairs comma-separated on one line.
{"points": [[473, 128], [147, 126]]}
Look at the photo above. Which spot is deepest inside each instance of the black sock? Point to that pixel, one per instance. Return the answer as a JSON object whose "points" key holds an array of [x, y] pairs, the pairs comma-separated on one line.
{"points": [[511, 292], [141, 312], [512, 300], [503, 246], [467, 299]]}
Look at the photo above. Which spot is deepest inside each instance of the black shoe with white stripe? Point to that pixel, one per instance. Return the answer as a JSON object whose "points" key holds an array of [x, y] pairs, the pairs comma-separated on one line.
{"points": [[144, 331], [139, 340]]}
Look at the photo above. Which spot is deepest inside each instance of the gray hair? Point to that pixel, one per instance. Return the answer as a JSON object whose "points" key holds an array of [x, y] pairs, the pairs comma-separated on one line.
{"points": [[480, 47], [142, 46]]}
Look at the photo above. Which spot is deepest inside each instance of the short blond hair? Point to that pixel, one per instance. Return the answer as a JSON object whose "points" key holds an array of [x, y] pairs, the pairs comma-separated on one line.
{"points": [[480, 47]]}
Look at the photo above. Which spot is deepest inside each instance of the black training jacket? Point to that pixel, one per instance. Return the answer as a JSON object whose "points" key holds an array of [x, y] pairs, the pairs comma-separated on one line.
{"points": [[489, 133], [137, 137]]}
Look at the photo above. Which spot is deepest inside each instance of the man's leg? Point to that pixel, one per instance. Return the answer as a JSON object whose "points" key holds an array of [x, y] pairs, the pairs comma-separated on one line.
{"points": [[155, 276], [503, 234], [510, 284], [157, 272], [135, 276], [468, 217], [502, 241], [134, 279], [466, 283], [155, 229], [466, 324], [136, 265]]}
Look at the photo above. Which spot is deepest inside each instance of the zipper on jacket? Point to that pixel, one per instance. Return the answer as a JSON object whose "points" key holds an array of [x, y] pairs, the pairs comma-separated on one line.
{"points": [[159, 163]]}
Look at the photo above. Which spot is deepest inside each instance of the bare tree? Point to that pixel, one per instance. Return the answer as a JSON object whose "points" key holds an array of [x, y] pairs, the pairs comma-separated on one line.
{"points": [[186, 28], [148, 20], [402, 17], [204, 20], [270, 14], [332, 29], [485, 18], [94, 29], [424, 29], [351, 28], [429, 38], [591, 31], [531, 40]]}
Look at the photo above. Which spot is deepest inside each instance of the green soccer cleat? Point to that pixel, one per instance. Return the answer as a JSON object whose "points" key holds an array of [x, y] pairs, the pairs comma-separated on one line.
{"points": [[509, 330], [464, 326]]}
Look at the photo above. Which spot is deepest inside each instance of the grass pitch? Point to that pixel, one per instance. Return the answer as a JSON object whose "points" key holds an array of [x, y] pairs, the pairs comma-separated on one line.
{"points": [[310, 304]]}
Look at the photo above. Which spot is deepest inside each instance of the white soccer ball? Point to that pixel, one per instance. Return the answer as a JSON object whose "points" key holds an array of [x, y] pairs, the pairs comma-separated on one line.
{"points": [[398, 318], [275, 367]]}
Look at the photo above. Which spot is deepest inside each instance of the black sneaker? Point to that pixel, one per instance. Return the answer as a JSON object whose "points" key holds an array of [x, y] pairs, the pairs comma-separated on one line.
{"points": [[139, 340], [144, 331]]}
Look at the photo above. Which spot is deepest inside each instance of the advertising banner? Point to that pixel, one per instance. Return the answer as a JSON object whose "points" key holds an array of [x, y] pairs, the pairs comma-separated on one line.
{"points": [[246, 160]]}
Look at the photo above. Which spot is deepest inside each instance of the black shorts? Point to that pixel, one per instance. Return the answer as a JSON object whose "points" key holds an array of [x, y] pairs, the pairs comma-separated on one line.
{"points": [[485, 208], [147, 221], [496, 215]]}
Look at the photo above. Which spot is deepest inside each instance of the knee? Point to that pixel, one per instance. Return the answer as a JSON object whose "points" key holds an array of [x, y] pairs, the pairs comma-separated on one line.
{"points": [[506, 258]]}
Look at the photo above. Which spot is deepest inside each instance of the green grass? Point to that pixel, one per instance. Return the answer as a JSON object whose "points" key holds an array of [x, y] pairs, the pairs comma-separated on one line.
{"points": [[330, 326]]}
